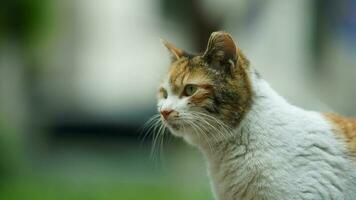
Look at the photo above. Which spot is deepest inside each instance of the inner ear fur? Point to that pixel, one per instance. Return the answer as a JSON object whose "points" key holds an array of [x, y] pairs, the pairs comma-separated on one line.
{"points": [[221, 51]]}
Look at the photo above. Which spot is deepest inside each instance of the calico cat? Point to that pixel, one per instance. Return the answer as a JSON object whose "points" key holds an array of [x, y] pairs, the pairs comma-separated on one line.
{"points": [[257, 145]]}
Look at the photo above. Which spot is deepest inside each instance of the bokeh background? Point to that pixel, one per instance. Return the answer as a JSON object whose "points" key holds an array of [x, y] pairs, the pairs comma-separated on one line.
{"points": [[78, 80]]}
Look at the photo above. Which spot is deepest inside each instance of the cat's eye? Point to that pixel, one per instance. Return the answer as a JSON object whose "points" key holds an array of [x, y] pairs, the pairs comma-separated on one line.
{"points": [[190, 89], [164, 93]]}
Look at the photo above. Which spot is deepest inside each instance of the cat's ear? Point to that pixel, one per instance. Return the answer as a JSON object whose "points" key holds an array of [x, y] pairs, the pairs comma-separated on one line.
{"points": [[176, 53], [221, 51]]}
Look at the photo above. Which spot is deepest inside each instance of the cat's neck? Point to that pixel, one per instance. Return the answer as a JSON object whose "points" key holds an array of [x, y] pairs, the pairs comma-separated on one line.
{"points": [[268, 107], [265, 101]]}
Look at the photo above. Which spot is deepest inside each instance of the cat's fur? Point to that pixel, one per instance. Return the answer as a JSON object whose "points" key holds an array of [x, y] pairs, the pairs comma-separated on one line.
{"points": [[257, 145]]}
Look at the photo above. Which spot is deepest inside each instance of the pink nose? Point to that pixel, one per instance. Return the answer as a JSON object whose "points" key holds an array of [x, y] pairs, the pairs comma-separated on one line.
{"points": [[165, 113]]}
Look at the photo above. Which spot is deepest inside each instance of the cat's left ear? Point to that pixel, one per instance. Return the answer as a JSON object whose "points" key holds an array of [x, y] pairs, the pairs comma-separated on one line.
{"points": [[221, 52], [175, 52]]}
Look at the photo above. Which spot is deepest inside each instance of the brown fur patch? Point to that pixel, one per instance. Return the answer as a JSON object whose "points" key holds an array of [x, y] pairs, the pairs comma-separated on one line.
{"points": [[346, 128]]}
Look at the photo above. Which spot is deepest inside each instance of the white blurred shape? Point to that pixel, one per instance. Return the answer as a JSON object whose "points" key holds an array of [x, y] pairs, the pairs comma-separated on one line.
{"points": [[118, 59]]}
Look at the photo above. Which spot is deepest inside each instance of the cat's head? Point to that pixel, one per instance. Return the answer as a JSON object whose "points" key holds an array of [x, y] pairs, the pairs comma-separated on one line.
{"points": [[205, 94]]}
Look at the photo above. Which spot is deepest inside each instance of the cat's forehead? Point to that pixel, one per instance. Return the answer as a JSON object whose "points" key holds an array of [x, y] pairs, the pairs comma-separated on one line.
{"points": [[186, 71]]}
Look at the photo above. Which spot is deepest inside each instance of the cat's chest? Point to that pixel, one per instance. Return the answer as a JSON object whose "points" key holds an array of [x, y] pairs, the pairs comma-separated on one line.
{"points": [[241, 174], [251, 171], [280, 170]]}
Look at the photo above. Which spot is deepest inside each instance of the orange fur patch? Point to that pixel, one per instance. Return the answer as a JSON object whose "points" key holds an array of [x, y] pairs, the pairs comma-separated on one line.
{"points": [[346, 128], [180, 75]]}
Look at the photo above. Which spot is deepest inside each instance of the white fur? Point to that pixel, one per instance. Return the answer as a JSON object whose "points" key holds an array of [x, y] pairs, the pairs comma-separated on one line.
{"points": [[290, 154], [173, 101], [279, 152]]}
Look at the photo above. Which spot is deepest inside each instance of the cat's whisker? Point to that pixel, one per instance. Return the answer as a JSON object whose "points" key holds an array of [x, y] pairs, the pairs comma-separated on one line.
{"points": [[147, 127], [226, 129], [156, 139], [155, 133], [154, 127], [222, 124], [148, 124], [212, 128], [201, 117], [162, 135], [201, 134], [206, 130]]}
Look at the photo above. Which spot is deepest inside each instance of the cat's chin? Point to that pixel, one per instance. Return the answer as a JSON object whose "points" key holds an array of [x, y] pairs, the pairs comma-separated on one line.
{"points": [[174, 125], [176, 129], [186, 134]]}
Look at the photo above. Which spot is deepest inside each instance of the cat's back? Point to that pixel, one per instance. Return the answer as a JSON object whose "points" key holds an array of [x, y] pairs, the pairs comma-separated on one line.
{"points": [[344, 128], [323, 157]]}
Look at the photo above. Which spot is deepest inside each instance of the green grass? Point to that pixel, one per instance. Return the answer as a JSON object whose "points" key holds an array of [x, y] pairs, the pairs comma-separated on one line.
{"points": [[99, 172], [39, 189]]}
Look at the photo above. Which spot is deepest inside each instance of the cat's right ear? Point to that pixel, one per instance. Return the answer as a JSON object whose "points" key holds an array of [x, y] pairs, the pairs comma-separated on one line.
{"points": [[176, 53]]}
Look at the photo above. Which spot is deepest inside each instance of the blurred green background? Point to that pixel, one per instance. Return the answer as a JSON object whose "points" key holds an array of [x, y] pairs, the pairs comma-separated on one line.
{"points": [[78, 80]]}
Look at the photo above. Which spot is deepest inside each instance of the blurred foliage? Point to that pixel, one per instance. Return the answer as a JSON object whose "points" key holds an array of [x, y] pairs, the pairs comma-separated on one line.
{"points": [[9, 151], [22, 19]]}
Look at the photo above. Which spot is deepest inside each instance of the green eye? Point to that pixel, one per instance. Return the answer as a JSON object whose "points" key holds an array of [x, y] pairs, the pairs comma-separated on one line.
{"points": [[164, 93], [190, 89]]}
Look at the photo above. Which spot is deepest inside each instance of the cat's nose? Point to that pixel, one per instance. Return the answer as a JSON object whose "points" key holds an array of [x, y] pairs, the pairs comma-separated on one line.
{"points": [[165, 113]]}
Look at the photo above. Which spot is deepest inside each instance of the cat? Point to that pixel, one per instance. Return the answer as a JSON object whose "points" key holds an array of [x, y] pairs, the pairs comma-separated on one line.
{"points": [[257, 145]]}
